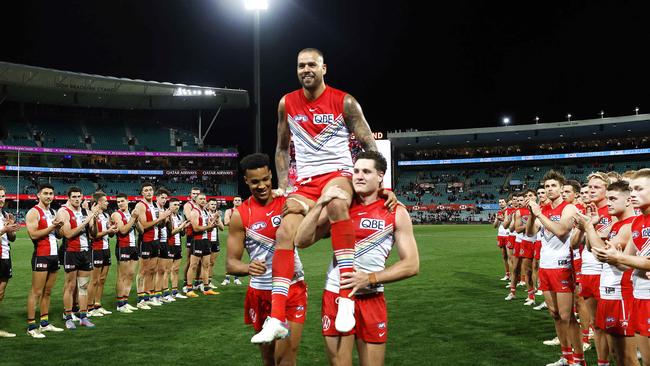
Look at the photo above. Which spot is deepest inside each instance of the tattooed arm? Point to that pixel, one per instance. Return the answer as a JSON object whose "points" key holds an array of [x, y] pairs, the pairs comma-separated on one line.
{"points": [[282, 148], [357, 123]]}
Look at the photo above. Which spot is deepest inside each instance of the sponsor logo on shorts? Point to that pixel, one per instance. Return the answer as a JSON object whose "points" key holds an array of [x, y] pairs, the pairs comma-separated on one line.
{"points": [[41, 265], [69, 266], [145, 253], [300, 308], [323, 119], [327, 323], [382, 334], [372, 224], [381, 325], [276, 220], [258, 226], [252, 315]]}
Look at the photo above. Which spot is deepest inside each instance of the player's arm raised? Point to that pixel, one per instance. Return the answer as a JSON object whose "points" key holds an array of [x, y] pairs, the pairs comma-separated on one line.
{"points": [[561, 228], [357, 123], [407, 266], [282, 148], [31, 221], [622, 252]]}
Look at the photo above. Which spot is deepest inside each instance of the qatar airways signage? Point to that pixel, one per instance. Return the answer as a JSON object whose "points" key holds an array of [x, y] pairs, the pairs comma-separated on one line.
{"points": [[199, 172]]}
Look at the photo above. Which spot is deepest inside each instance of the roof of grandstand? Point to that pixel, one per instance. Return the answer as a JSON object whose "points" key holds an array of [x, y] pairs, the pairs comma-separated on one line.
{"points": [[553, 131], [32, 84]]}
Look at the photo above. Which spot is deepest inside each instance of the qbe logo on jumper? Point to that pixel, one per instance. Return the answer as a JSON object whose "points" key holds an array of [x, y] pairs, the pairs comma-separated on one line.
{"points": [[323, 119], [372, 224]]}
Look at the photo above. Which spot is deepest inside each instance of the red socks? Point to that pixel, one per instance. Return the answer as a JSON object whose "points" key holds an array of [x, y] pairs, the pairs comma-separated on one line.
{"points": [[343, 247], [283, 267]]}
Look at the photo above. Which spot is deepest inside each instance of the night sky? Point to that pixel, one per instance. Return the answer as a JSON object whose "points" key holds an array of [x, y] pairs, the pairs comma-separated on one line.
{"points": [[462, 64]]}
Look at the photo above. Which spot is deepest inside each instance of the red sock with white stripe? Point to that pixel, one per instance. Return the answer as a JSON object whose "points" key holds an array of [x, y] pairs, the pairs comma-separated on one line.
{"points": [[282, 267], [343, 246], [585, 335], [531, 294], [603, 363], [579, 358], [567, 353]]}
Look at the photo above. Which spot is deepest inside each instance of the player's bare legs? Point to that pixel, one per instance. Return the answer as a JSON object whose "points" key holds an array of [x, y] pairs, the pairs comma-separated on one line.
{"points": [[339, 350], [286, 350], [371, 354]]}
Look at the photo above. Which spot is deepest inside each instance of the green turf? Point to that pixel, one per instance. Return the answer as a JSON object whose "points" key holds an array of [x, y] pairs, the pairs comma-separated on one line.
{"points": [[452, 313]]}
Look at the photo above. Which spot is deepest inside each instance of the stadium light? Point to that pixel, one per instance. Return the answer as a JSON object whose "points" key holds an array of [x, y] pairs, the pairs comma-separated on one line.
{"points": [[636, 110], [256, 6], [506, 120], [536, 119], [568, 117], [602, 114]]}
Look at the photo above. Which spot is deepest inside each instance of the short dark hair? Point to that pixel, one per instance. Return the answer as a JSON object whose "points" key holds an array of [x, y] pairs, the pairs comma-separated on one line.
{"points": [[97, 195], [173, 199], [195, 189], [163, 190], [575, 185], [212, 199], [540, 187], [73, 189], [620, 186], [146, 184], [554, 175], [254, 161], [315, 50], [380, 162], [121, 195], [45, 186], [531, 191]]}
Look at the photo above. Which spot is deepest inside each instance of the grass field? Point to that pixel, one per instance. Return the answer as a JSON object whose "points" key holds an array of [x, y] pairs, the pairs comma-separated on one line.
{"points": [[452, 313]]}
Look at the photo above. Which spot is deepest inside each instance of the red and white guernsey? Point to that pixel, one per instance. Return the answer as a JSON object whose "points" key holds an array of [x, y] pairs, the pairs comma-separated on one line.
{"points": [[45, 246], [203, 221], [126, 240], [5, 248], [555, 253], [510, 211], [501, 231], [614, 283], [641, 239], [320, 135], [213, 235], [188, 228], [102, 225], [591, 265], [261, 223], [176, 238], [151, 214], [374, 237], [80, 242], [525, 216]]}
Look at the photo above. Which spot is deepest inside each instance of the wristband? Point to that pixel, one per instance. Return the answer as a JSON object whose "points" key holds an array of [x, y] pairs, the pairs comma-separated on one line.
{"points": [[372, 278], [278, 192]]}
